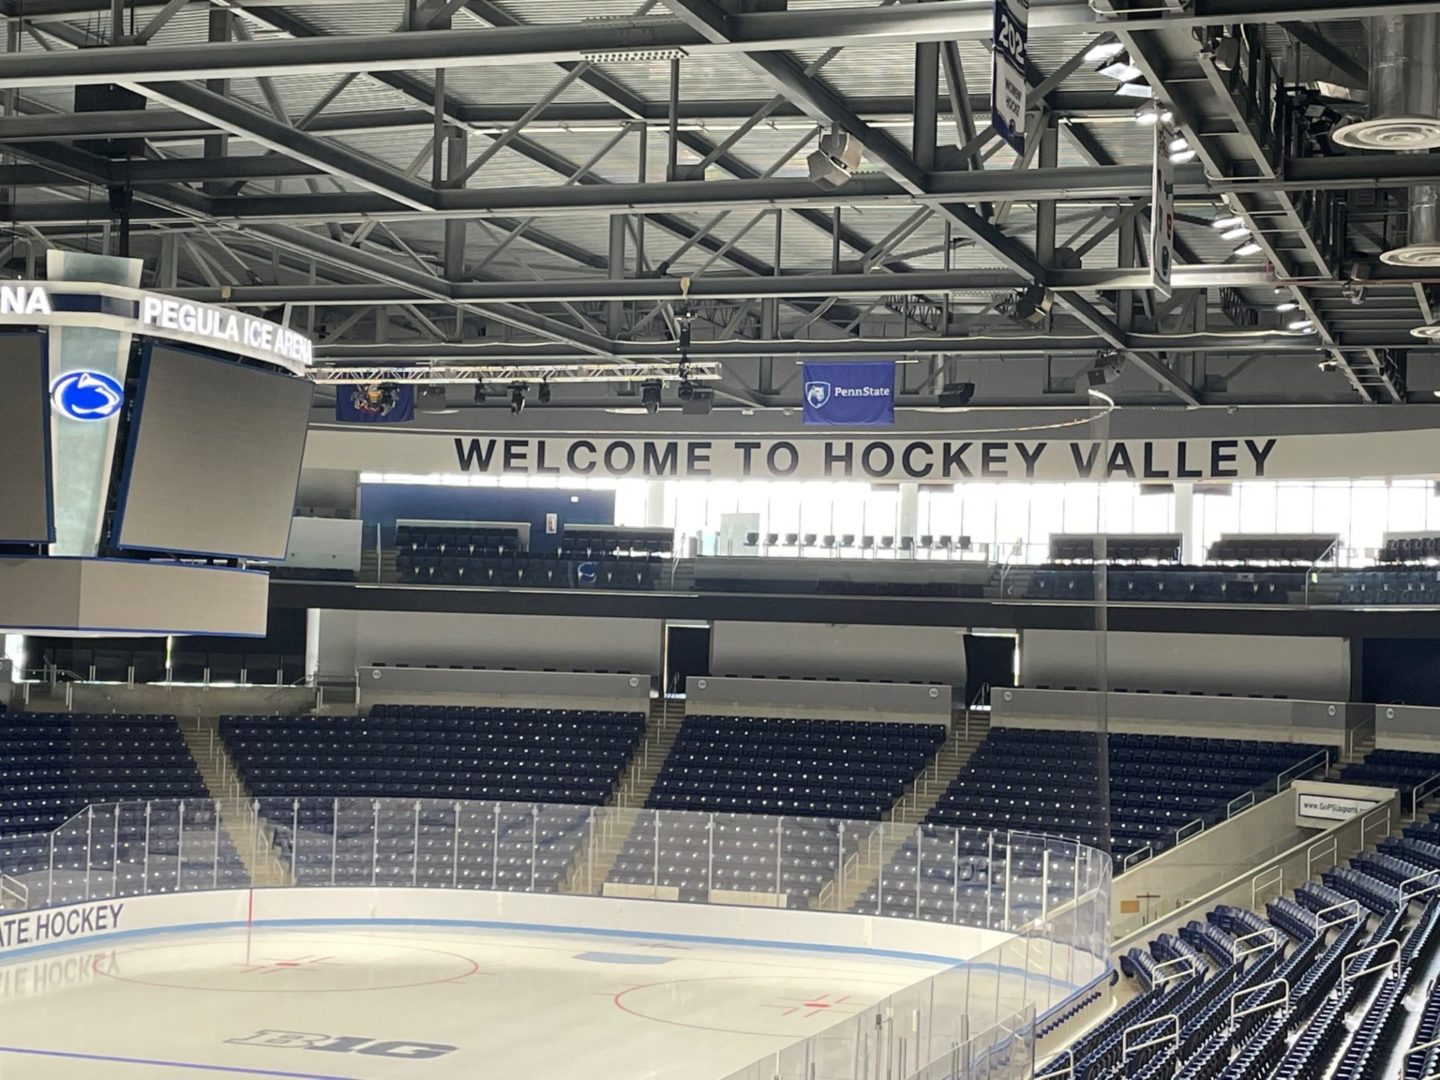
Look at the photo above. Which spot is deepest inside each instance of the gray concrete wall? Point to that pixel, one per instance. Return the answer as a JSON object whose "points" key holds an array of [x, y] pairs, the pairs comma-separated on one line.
{"points": [[339, 642], [1313, 668], [818, 699], [1324, 723], [834, 650]]}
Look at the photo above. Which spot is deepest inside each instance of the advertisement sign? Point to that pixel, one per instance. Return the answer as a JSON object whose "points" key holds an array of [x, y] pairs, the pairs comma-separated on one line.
{"points": [[850, 395], [1008, 83], [1334, 807]]}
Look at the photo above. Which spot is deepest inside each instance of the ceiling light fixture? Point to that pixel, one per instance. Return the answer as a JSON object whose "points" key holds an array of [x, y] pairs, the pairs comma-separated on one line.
{"points": [[1135, 90], [1251, 248], [517, 399], [1105, 51], [1180, 157], [1301, 326], [1239, 232], [1227, 222], [1152, 113], [1119, 68], [1288, 305]]}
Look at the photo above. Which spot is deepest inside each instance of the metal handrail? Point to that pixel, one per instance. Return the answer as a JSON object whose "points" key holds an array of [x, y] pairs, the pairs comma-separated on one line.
{"points": [[1173, 1036], [1353, 913], [1264, 1006], [1426, 787], [10, 886], [1231, 809], [1346, 976], [1366, 823], [1433, 876], [1132, 859], [1180, 839], [1421, 1049], [1300, 769], [1270, 941]]}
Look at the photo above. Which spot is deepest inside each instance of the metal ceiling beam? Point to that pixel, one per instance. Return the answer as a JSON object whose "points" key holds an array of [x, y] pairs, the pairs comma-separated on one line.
{"points": [[238, 119], [758, 31], [997, 345], [732, 287], [1081, 185]]}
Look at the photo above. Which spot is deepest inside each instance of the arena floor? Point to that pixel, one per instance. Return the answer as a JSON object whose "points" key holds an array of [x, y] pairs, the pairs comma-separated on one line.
{"points": [[355, 1004]]}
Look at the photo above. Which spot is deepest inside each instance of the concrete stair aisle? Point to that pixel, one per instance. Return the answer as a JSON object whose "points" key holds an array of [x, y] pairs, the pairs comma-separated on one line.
{"points": [[251, 835], [614, 822], [861, 870]]}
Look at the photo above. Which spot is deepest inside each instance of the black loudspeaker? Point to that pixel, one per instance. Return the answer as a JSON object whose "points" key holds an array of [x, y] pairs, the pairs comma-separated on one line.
{"points": [[107, 97]]}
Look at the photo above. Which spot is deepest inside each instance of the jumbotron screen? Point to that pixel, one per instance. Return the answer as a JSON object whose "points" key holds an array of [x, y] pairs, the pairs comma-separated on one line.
{"points": [[24, 459], [214, 457]]}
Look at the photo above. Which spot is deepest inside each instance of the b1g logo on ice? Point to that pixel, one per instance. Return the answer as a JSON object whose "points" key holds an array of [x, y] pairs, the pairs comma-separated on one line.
{"points": [[344, 1044]]}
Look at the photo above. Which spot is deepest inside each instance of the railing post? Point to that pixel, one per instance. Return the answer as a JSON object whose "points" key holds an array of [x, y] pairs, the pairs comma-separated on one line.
{"points": [[1009, 847], [415, 852], [334, 837], [145, 870], [955, 881], [840, 867], [710, 859], [655, 860], [779, 851], [919, 860], [294, 841], [115, 851], [534, 841], [89, 829], [495, 851], [215, 853], [180, 848], [254, 835], [455, 851], [374, 840], [880, 872], [989, 879]]}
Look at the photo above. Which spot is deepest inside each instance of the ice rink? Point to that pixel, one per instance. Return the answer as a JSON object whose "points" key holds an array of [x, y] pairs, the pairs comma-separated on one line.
{"points": [[352, 1004]]}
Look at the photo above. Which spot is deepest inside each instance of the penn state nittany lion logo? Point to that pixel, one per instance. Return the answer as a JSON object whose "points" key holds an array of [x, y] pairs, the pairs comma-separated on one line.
{"points": [[817, 394], [86, 395]]}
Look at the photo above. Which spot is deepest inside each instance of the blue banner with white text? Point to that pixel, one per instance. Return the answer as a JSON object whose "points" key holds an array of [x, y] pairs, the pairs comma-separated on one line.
{"points": [[374, 403], [850, 394]]}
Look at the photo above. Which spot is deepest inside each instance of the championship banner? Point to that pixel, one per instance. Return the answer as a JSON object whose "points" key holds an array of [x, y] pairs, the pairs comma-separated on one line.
{"points": [[1162, 213], [374, 403], [850, 395], [1009, 85]]}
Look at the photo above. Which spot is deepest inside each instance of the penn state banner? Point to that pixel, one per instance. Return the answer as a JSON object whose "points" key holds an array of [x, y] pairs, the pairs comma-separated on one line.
{"points": [[374, 403], [851, 394]]}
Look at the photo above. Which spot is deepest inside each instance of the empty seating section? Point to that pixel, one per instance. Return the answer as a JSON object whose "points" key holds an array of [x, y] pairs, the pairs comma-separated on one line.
{"points": [[1291, 997], [1410, 549], [698, 854], [434, 795], [813, 772], [495, 556], [52, 766], [441, 752], [1162, 548], [590, 542], [943, 875], [808, 768], [431, 843], [1304, 549], [1408, 770], [1161, 787]]}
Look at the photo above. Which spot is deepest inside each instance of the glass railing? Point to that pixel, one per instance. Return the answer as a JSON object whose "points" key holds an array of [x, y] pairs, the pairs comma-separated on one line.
{"points": [[1040, 906]]}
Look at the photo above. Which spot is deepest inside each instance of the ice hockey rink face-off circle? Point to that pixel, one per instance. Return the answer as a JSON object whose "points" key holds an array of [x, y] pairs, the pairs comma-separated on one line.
{"points": [[348, 1003]]}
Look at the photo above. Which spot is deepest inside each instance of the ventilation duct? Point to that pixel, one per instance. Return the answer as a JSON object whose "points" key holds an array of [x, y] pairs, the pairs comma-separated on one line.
{"points": [[1405, 117]]}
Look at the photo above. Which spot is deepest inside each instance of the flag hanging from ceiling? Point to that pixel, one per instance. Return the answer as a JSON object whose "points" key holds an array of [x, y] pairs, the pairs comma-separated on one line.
{"points": [[850, 394], [374, 403]]}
